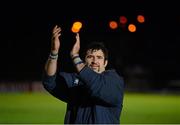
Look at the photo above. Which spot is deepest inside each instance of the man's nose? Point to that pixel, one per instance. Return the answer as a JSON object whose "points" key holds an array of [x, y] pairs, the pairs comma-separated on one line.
{"points": [[94, 60]]}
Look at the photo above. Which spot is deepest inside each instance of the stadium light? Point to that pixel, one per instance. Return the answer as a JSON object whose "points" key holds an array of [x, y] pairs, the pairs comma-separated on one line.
{"points": [[113, 24], [76, 27], [132, 27], [140, 18]]}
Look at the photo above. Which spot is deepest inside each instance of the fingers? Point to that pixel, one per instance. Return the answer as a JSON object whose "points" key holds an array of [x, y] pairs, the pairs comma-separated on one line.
{"points": [[77, 37], [56, 31], [77, 34]]}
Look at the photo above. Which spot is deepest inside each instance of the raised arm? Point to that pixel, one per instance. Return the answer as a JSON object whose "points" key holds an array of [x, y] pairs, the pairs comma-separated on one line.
{"points": [[79, 64], [51, 63]]}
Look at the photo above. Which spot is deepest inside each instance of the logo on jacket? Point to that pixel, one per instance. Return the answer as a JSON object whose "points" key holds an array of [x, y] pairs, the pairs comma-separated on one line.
{"points": [[76, 81]]}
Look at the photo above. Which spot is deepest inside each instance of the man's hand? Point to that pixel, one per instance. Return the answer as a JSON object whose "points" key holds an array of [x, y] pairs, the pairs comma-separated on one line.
{"points": [[76, 47], [51, 64], [55, 42]]}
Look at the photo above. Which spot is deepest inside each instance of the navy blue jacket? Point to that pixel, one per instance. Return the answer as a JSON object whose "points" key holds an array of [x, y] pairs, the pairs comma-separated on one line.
{"points": [[91, 98]]}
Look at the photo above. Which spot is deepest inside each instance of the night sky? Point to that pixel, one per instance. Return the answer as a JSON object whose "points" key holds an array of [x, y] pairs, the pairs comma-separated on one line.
{"points": [[25, 29]]}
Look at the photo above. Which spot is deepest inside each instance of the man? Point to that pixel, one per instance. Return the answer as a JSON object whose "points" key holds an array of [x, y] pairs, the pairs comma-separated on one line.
{"points": [[93, 95]]}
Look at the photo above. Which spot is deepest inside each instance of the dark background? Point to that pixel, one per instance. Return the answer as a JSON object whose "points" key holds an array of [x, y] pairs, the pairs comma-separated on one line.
{"points": [[148, 58]]}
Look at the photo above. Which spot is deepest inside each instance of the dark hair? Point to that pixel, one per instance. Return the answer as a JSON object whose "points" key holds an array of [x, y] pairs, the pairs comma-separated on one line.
{"points": [[96, 46]]}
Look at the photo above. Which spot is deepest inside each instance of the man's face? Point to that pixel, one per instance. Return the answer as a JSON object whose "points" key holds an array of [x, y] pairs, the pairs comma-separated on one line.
{"points": [[95, 60]]}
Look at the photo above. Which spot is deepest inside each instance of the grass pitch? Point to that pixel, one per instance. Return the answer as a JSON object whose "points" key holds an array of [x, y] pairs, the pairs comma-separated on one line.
{"points": [[42, 108]]}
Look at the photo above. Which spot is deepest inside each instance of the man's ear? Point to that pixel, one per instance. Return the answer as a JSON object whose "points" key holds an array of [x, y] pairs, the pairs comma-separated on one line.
{"points": [[105, 63]]}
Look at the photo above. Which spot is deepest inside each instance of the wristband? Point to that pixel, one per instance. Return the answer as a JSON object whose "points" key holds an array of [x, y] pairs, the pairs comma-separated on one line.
{"points": [[53, 56], [77, 60], [74, 57]]}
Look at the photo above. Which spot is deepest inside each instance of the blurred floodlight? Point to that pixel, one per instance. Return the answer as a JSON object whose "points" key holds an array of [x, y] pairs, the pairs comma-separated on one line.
{"points": [[113, 24], [132, 28], [76, 27], [122, 20], [140, 18]]}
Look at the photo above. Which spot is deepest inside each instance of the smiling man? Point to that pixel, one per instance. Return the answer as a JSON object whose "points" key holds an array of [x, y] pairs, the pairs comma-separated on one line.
{"points": [[96, 57], [93, 94]]}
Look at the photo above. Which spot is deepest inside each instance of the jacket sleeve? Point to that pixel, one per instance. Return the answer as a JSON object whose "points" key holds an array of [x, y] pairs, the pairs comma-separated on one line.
{"points": [[108, 86], [57, 86]]}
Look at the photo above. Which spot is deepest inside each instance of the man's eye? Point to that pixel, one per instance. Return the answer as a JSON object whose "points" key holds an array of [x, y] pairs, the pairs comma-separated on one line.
{"points": [[89, 56], [100, 57]]}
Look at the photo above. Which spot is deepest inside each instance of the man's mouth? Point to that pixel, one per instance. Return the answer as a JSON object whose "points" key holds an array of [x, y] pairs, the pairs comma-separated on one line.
{"points": [[94, 66]]}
